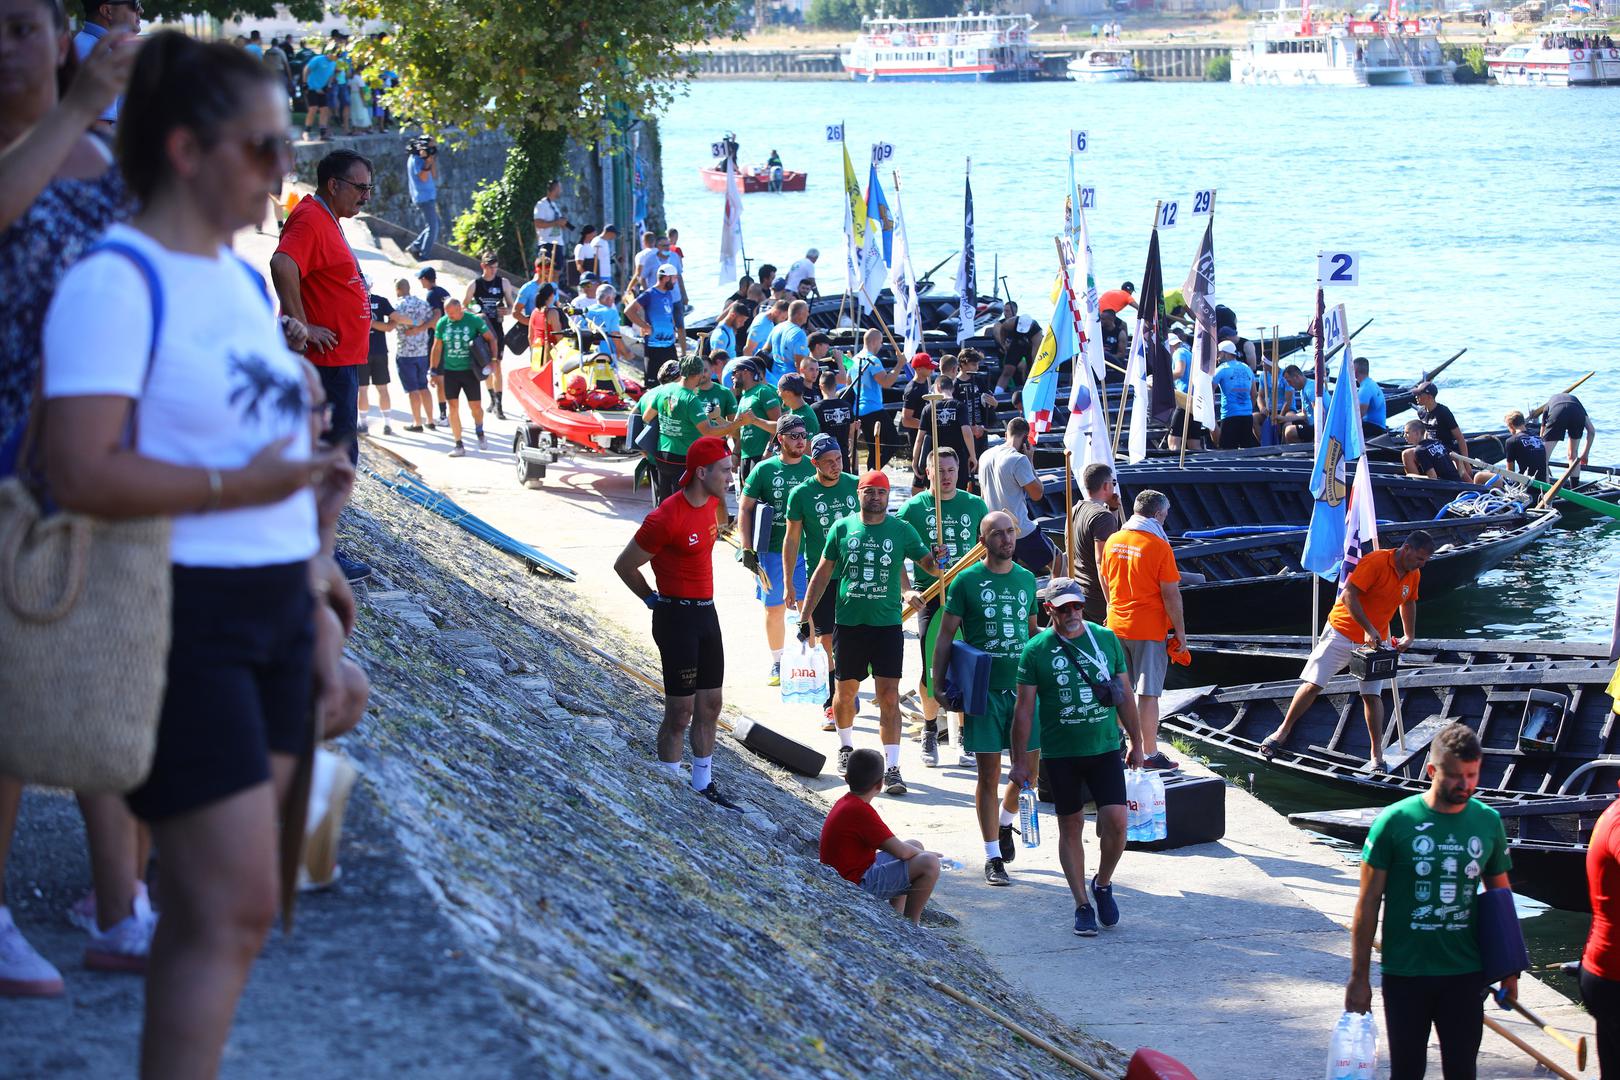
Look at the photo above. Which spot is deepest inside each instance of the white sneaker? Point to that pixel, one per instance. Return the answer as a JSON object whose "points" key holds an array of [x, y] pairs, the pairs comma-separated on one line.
{"points": [[83, 913], [23, 972], [125, 946], [965, 760]]}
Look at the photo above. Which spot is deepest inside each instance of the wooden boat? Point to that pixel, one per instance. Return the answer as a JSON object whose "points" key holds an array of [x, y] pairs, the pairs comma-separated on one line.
{"points": [[1255, 582], [751, 180], [1547, 727], [1224, 496], [1236, 659], [1547, 842]]}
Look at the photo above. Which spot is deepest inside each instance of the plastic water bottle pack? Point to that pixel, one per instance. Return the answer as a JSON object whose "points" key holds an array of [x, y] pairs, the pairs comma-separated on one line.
{"points": [[1158, 821], [1029, 818], [1137, 799], [804, 670], [1353, 1051]]}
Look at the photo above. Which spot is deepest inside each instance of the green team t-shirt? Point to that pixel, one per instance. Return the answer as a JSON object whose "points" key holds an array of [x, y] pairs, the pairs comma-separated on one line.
{"points": [[1435, 864], [818, 506], [963, 512], [770, 482], [995, 611], [759, 400], [718, 402], [870, 560], [812, 424], [1073, 723], [458, 336], [680, 411]]}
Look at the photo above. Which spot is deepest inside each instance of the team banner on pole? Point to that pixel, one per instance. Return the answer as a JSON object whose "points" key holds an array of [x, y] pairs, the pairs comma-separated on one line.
{"points": [[967, 307], [1199, 292], [903, 283], [731, 242]]}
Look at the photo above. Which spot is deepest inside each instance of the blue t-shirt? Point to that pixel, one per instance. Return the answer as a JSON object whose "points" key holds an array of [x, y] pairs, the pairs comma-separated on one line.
{"points": [[662, 310], [868, 392], [1370, 394], [758, 331], [725, 339], [1182, 356], [525, 298], [318, 72], [421, 190], [789, 345], [605, 321], [1235, 380], [83, 43]]}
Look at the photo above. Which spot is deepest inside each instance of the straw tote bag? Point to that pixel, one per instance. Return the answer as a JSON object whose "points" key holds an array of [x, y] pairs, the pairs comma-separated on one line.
{"points": [[84, 628]]}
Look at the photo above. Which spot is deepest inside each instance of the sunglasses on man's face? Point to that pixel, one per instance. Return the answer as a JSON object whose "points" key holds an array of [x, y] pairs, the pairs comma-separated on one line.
{"points": [[126, 3], [364, 189]]}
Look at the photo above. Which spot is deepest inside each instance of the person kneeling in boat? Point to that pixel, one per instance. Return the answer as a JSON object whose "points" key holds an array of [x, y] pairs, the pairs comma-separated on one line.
{"points": [[1382, 582], [1426, 456]]}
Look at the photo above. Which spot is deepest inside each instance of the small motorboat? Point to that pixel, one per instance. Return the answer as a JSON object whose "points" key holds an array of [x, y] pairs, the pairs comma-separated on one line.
{"points": [[752, 179], [1104, 65], [574, 398]]}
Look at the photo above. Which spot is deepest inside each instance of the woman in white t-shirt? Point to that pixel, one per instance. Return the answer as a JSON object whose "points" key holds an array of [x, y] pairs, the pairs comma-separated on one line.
{"points": [[192, 348]]}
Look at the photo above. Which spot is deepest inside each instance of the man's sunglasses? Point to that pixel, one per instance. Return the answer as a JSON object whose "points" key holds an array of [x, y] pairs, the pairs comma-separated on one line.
{"points": [[136, 4], [364, 189]]}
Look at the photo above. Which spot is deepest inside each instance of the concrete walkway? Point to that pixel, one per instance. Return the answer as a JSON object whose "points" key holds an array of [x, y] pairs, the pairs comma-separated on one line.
{"points": [[1231, 956]]}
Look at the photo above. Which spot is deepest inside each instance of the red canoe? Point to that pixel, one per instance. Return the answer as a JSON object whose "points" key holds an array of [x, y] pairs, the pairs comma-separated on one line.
{"points": [[752, 180]]}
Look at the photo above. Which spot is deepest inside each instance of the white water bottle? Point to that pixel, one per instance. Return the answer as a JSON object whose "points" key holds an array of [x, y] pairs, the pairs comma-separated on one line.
{"points": [[1158, 815], [1366, 1048], [1134, 805], [1029, 818], [1341, 1059]]}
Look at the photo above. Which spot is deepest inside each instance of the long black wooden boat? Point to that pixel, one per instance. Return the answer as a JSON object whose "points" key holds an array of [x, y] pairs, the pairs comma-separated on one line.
{"points": [[1547, 727], [1255, 582], [1223, 496], [1237, 659], [1547, 841]]}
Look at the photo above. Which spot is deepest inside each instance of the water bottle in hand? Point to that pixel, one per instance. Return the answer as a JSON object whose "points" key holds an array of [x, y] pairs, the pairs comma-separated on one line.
{"points": [[1341, 1060], [1029, 818], [1366, 1048]]}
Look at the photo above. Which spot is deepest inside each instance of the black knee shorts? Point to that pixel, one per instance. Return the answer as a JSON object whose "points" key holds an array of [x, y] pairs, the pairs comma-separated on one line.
{"points": [[1195, 430], [1602, 999], [825, 617], [465, 383], [374, 372], [1238, 432], [1565, 420], [240, 685], [1451, 1004], [687, 633], [926, 618], [1071, 778], [1033, 552], [859, 651]]}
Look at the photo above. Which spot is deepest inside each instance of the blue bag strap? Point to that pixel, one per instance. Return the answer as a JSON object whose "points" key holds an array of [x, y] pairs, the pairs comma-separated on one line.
{"points": [[258, 279], [154, 289]]}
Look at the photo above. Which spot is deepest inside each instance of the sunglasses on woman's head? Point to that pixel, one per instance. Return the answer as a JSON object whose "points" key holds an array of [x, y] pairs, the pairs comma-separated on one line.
{"points": [[268, 151]]}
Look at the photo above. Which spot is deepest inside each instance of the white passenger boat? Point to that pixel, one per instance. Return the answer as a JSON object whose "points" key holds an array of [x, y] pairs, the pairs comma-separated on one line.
{"points": [[1293, 49], [1104, 65], [1559, 56], [962, 48]]}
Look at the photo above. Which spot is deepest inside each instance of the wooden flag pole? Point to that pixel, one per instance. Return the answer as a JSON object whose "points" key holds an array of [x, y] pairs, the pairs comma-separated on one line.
{"points": [[1068, 510], [933, 468]]}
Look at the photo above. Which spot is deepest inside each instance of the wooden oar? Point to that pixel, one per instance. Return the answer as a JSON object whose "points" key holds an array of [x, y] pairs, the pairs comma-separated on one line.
{"points": [[1020, 1030], [1545, 499], [1572, 388], [1577, 1045], [1577, 498], [1542, 1059], [1427, 375], [971, 556]]}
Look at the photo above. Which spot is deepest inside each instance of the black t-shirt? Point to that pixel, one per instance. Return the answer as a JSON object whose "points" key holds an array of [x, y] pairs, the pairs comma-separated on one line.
{"points": [[489, 296], [915, 393], [1431, 454], [836, 413], [380, 310], [1526, 453], [436, 297], [1110, 337], [1093, 523], [1438, 423], [951, 432]]}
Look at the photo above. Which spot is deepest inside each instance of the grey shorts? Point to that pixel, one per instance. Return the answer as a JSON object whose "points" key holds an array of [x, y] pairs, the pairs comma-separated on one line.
{"points": [[1331, 656], [886, 878], [1148, 662]]}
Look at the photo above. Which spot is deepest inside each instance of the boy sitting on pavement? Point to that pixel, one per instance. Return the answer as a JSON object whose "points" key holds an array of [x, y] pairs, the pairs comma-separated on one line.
{"points": [[856, 843]]}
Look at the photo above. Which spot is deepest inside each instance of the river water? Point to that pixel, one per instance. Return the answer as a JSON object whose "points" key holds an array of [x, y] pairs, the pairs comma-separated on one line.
{"points": [[1484, 217]]}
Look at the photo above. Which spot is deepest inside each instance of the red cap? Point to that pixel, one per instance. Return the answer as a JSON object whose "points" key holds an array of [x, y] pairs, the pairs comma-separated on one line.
{"points": [[704, 451], [923, 360], [874, 478]]}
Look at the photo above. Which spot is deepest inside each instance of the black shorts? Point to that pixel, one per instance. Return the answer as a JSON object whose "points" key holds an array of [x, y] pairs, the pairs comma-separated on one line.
{"points": [[859, 651], [825, 617], [1033, 552], [1238, 432], [1565, 420], [1072, 778], [497, 327], [924, 619], [1195, 430], [656, 355], [687, 633], [466, 383], [240, 685], [375, 371]]}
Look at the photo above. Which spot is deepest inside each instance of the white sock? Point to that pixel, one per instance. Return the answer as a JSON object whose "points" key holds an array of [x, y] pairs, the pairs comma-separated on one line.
{"points": [[674, 767], [992, 849], [776, 656], [891, 756], [702, 767], [846, 736], [1007, 816], [955, 725]]}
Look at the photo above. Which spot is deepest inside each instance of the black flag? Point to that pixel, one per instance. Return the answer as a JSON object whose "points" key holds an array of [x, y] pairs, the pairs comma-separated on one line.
{"points": [[1151, 328]]}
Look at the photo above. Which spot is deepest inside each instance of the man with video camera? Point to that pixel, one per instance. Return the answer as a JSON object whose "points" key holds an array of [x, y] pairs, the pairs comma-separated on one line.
{"points": [[422, 175]]}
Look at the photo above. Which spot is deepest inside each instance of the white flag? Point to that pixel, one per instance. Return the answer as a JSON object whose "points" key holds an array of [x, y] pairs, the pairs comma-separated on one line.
{"points": [[1136, 381], [731, 242], [1085, 433], [903, 284], [1084, 277]]}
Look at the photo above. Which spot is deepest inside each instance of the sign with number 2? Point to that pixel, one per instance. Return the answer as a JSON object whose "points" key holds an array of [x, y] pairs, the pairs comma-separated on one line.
{"points": [[1338, 267]]}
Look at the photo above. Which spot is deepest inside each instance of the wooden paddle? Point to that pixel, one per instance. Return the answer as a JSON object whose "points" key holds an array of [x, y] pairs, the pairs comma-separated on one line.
{"points": [[1577, 1045], [971, 556], [1018, 1029], [1542, 1059], [1572, 388], [1545, 499], [1427, 375]]}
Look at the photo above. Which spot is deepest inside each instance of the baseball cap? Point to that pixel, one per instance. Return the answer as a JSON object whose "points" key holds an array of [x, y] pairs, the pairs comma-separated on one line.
{"points": [[779, 284], [1228, 349], [923, 362], [614, 229], [692, 365], [1426, 387], [667, 270], [1064, 590], [669, 370], [792, 382], [587, 278], [874, 478], [824, 444], [788, 422], [704, 451], [427, 272]]}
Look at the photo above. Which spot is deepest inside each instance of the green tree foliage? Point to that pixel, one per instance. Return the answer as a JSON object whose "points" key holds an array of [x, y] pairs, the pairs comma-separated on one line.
{"points": [[224, 10], [539, 64], [1218, 69], [502, 212], [834, 14], [847, 14]]}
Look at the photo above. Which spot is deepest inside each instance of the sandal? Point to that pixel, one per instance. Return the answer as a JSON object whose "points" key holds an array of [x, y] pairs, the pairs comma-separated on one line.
{"points": [[1269, 747]]}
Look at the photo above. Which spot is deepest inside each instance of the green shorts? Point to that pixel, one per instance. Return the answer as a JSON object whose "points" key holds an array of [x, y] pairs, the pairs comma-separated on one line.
{"points": [[991, 733]]}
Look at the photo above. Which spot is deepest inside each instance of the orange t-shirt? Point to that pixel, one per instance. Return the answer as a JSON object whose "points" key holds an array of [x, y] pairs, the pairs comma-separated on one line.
{"points": [[1134, 565], [1115, 300], [1383, 591]]}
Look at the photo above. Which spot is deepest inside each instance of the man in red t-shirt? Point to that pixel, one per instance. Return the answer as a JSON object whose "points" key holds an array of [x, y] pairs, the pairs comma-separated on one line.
{"points": [[1600, 962], [319, 283], [856, 843], [678, 539]]}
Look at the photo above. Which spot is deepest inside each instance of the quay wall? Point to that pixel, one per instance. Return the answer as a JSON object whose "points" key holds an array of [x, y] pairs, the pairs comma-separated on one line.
{"points": [[1168, 62]]}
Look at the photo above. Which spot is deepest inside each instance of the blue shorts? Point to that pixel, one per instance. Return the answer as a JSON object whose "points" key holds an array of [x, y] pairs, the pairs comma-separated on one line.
{"points": [[770, 563], [413, 372], [887, 877]]}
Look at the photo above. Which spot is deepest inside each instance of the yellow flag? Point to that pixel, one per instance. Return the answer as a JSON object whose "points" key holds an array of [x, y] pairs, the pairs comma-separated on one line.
{"points": [[857, 205]]}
